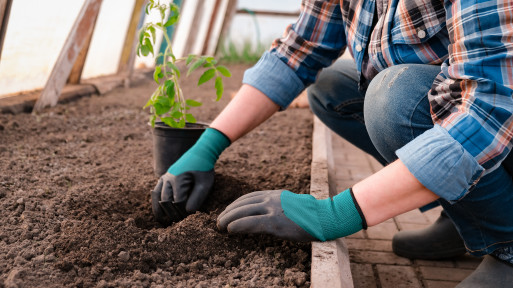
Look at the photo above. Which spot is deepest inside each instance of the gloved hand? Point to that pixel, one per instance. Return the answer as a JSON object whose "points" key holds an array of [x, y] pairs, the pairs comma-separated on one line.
{"points": [[296, 217], [189, 180]]}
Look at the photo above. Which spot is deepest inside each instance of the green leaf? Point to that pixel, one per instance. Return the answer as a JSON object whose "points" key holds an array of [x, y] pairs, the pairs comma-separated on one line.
{"points": [[157, 73], [219, 87], [172, 20], [175, 68], [176, 114], [189, 59], [173, 15], [162, 105], [209, 59], [169, 121], [224, 71], [141, 35], [153, 33], [196, 65], [162, 10], [176, 107], [192, 103], [207, 75], [189, 118], [181, 124], [170, 89], [152, 120], [148, 44], [148, 104], [145, 51]]}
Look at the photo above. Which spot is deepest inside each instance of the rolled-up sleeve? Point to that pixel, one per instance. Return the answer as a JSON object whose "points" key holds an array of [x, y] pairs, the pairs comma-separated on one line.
{"points": [[441, 163], [294, 60], [275, 79]]}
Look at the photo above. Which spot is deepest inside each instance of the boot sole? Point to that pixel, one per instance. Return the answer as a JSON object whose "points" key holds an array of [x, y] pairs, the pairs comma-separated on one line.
{"points": [[429, 255]]}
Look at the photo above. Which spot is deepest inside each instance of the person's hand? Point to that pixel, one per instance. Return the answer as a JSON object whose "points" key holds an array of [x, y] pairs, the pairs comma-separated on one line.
{"points": [[175, 197], [296, 217], [187, 183], [261, 213]]}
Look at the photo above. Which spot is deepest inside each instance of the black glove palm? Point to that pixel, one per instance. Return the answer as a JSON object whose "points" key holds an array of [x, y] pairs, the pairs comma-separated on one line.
{"points": [[261, 213]]}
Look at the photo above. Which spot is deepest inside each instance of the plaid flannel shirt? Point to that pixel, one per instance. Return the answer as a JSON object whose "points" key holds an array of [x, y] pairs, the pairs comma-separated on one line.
{"points": [[471, 99]]}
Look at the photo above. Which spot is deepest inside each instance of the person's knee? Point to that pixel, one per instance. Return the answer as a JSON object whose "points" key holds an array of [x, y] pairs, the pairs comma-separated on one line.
{"points": [[333, 86], [393, 102]]}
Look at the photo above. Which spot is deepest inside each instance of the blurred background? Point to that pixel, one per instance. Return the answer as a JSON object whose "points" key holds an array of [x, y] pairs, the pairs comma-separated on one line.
{"points": [[36, 31]]}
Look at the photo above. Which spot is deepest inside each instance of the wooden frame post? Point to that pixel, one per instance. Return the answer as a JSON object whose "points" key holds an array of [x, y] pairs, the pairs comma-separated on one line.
{"points": [[213, 18], [127, 58], [5, 11], [76, 72], [228, 17], [76, 40]]}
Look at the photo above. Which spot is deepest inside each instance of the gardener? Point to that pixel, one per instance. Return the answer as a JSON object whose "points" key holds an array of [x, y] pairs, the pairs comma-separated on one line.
{"points": [[433, 81]]}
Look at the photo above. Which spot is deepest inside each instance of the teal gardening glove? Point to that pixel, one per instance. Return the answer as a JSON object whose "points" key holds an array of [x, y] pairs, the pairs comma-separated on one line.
{"points": [[296, 217], [189, 180]]}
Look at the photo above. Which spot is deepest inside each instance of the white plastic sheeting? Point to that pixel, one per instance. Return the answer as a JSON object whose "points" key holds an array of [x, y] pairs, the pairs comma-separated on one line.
{"points": [[37, 31]]}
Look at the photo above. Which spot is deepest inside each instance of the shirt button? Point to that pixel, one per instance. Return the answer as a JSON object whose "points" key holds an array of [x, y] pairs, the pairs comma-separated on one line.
{"points": [[358, 48], [421, 34]]}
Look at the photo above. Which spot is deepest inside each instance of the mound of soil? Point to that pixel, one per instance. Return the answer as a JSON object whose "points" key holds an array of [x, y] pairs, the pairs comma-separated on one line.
{"points": [[75, 210]]}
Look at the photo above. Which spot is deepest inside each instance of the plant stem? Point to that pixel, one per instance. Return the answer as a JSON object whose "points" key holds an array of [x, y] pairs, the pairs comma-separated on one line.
{"points": [[178, 90]]}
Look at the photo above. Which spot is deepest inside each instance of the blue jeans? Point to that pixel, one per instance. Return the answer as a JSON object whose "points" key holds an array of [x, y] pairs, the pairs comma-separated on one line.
{"points": [[389, 114]]}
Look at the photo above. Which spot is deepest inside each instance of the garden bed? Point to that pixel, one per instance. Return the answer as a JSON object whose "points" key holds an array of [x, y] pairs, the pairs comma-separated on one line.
{"points": [[75, 186]]}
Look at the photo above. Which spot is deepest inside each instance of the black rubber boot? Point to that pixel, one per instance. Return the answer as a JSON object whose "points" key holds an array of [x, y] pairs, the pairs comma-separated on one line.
{"points": [[492, 273], [438, 241]]}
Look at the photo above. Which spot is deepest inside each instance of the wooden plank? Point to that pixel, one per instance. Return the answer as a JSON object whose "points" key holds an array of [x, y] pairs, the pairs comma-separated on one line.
{"points": [[78, 67], [193, 31], [228, 17], [330, 260], [127, 59], [268, 13], [76, 40], [213, 18], [23, 103], [5, 11]]}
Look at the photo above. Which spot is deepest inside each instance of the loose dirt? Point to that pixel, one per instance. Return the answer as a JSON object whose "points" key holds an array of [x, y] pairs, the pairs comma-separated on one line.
{"points": [[75, 203]]}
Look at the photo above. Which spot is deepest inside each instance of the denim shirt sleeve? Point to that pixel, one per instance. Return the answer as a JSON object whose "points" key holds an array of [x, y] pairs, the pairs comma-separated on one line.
{"points": [[275, 79], [441, 164], [312, 43]]}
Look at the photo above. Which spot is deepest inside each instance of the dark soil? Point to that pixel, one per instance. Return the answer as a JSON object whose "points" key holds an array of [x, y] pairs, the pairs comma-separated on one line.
{"points": [[75, 210]]}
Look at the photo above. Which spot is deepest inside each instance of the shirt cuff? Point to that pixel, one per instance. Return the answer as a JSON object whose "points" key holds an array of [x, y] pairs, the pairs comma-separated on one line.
{"points": [[275, 79], [441, 164]]}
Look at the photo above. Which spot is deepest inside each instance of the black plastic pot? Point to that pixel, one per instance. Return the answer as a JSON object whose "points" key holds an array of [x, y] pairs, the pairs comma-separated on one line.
{"points": [[169, 144]]}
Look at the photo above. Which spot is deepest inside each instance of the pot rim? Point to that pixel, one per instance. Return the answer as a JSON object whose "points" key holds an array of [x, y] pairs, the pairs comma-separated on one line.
{"points": [[194, 126]]}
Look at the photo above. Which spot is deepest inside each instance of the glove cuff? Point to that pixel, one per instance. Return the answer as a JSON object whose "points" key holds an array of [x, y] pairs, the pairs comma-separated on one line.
{"points": [[364, 221], [203, 155], [220, 132], [325, 219]]}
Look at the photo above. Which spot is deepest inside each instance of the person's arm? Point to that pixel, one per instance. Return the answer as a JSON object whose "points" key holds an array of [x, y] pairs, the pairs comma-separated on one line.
{"points": [[300, 217], [276, 80], [391, 191], [248, 109]]}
